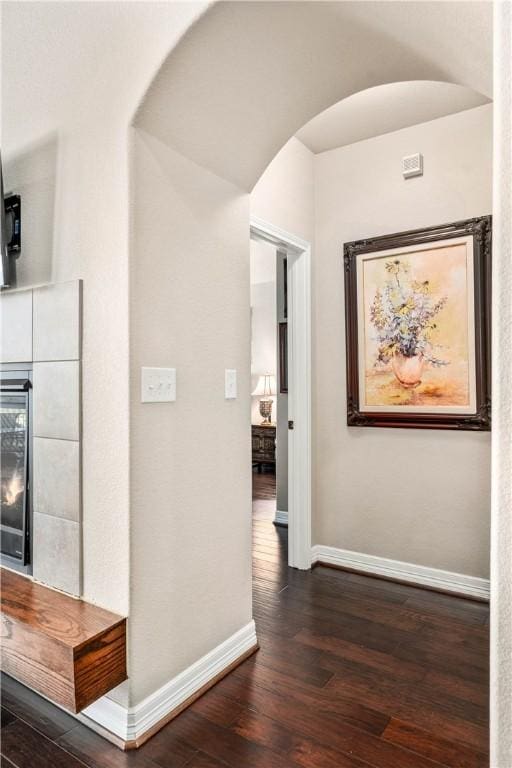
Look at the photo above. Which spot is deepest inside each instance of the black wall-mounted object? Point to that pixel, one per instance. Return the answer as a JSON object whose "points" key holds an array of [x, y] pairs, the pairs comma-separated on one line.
{"points": [[10, 228], [12, 207], [283, 358]]}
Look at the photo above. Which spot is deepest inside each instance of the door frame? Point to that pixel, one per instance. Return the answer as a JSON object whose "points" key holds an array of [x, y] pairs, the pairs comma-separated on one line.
{"points": [[298, 253]]}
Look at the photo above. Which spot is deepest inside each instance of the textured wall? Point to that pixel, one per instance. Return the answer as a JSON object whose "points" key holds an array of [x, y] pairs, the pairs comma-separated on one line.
{"points": [[501, 583], [284, 196], [72, 76], [190, 467], [420, 496]]}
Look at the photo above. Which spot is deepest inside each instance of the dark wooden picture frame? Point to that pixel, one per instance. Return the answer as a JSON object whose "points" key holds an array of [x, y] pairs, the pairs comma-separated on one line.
{"points": [[285, 288], [479, 229], [283, 358]]}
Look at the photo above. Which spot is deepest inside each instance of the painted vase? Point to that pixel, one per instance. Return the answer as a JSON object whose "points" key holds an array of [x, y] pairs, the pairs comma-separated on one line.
{"points": [[408, 370]]}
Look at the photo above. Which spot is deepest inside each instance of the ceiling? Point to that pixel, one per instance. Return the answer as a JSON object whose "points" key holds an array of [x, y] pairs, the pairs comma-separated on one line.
{"points": [[383, 109], [247, 75]]}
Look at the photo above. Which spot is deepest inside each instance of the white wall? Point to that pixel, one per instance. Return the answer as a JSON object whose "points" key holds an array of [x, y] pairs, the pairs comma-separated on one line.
{"points": [[190, 478], [439, 514], [421, 496], [189, 308], [284, 196], [72, 76], [263, 319]]}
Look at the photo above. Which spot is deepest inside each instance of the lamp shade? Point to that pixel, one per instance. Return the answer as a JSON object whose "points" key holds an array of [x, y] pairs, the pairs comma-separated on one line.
{"points": [[266, 385]]}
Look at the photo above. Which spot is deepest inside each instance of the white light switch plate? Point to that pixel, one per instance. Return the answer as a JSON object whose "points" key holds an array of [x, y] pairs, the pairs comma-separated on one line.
{"points": [[230, 389], [158, 385]]}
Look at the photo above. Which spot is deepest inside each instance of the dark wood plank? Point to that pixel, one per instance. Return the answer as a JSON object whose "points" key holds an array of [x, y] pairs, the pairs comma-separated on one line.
{"points": [[177, 754], [27, 748], [95, 752], [200, 760], [325, 727], [217, 708], [305, 697], [311, 754], [371, 609], [303, 671], [32, 709], [434, 746], [439, 657], [435, 604], [6, 717], [409, 702], [263, 483], [263, 730], [6, 762], [445, 683], [69, 650], [341, 656], [223, 744], [308, 753]]}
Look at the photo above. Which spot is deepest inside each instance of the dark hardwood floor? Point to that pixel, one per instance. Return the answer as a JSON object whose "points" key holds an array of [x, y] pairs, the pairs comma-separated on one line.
{"points": [[263, 495], [352, 672]]}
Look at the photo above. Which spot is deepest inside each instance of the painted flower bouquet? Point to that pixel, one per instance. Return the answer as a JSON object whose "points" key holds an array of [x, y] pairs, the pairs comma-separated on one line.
{"points": [[403, 314]]}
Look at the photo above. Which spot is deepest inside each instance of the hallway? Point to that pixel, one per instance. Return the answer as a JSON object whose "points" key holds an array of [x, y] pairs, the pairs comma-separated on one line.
{"points": [[352, 672]]}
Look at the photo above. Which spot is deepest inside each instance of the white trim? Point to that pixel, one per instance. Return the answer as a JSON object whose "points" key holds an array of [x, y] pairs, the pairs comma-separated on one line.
{"points": [[108, 718], [281, 517], [299, 387], [131, 723], [471, 586], [264, 230]]}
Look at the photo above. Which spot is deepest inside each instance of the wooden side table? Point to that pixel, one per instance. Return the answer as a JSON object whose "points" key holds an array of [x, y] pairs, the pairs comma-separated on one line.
{"points": [[263, 445]]}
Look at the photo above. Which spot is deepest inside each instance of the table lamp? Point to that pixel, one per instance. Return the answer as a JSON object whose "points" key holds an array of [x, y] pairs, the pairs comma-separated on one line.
{"points": [[265, 387]]}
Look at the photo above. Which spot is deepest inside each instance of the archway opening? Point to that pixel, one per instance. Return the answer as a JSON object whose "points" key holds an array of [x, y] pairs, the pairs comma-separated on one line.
{"points": [[205, 133]]}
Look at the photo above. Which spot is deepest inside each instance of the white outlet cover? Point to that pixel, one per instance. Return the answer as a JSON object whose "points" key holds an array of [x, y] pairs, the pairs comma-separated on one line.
{"points": [[230, 387], [158, 385]]}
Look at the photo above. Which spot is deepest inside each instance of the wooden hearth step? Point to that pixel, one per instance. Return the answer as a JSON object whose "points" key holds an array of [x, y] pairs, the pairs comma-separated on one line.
{"points": [[68, 650]]}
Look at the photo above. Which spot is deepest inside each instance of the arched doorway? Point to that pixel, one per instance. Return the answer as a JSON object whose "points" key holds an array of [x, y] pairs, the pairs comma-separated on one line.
{"points": [[206, 122]]}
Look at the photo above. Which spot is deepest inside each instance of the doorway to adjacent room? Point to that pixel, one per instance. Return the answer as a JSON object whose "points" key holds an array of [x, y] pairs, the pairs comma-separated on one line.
{"points": [[281, 387]]}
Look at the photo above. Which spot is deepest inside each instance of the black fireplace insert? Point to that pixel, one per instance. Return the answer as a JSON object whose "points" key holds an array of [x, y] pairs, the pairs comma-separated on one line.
{"points": [[15, 468]]}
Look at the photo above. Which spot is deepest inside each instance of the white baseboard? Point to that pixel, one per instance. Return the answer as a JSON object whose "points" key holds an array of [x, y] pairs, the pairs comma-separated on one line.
{"points": [[124, 725], [281, 517], [471, 586]]}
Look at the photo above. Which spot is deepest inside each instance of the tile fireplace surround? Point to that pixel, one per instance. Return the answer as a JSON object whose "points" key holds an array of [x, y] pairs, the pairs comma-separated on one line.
{"points": [[42, 325]]}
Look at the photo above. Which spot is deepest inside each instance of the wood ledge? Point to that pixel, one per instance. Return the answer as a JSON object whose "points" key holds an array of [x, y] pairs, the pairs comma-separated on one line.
{"points": [[68, 650]]}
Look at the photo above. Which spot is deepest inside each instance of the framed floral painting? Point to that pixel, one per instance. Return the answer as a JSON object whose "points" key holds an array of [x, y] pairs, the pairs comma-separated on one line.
{"points": [[418, 328]]}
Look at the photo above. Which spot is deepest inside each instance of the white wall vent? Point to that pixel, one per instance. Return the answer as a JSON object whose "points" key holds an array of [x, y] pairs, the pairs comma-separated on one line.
{"points": [[412, 165]]}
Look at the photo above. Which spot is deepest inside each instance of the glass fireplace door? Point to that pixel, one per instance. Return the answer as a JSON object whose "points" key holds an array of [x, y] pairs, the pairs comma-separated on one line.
{"points": [[14, 412]]}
